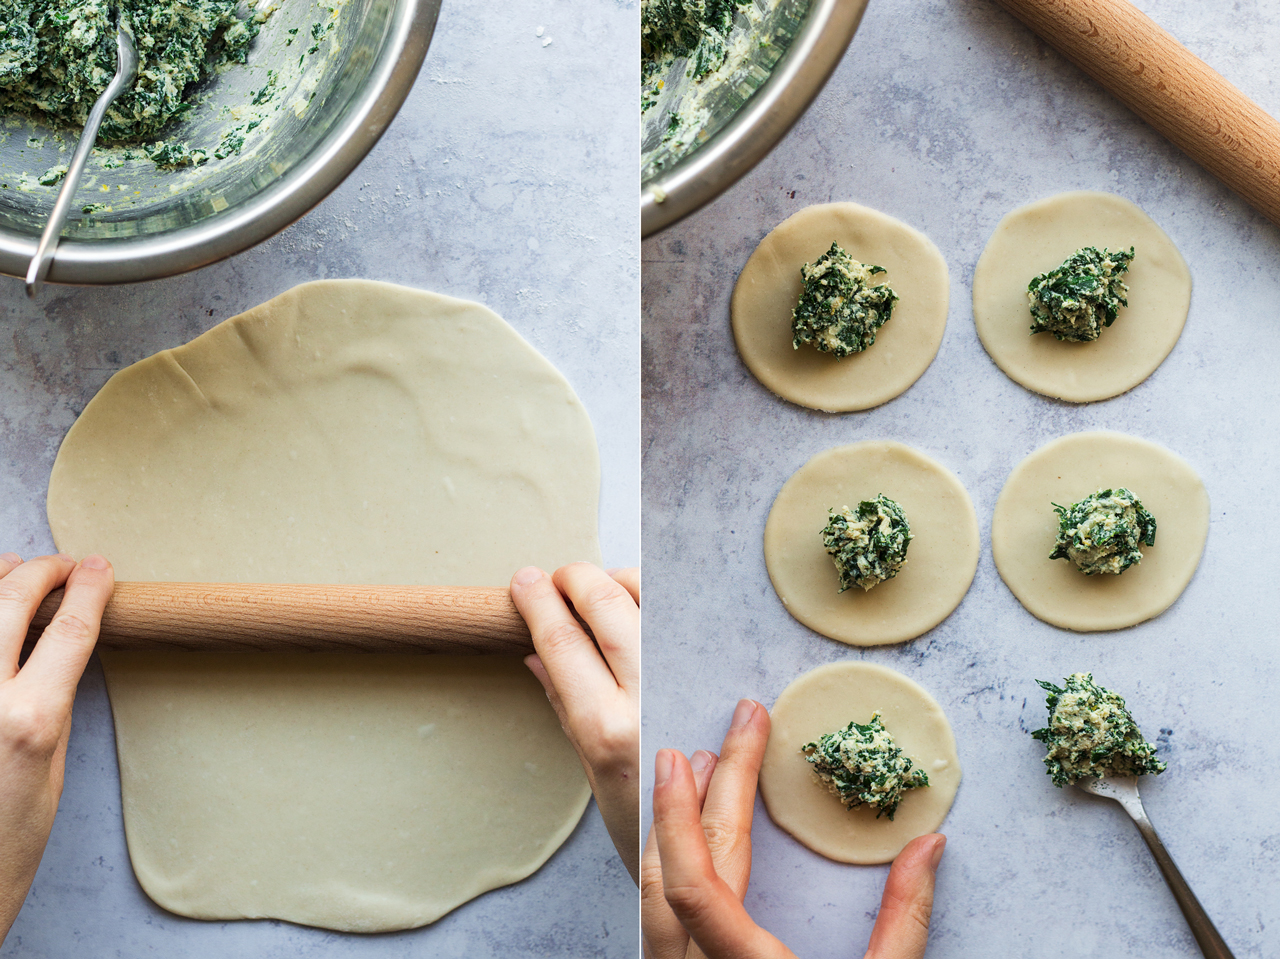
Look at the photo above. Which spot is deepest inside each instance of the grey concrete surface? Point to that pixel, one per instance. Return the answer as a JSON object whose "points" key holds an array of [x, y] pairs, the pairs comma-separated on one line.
{"points": [[948, 115], [507, 178]]}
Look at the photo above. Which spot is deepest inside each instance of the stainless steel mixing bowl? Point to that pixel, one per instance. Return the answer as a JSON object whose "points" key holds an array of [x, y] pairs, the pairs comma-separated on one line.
{"points": [[321, 112], [753, 111]]}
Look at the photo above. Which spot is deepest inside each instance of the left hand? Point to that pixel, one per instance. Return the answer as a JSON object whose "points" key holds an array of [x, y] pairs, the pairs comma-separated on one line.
{"points": [[594, 686], [35, 704], [697, 861]]}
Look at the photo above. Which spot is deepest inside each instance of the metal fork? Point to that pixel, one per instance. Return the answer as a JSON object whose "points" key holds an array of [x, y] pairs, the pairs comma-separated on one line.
{"points": [[1124, 790], [126, 73]]}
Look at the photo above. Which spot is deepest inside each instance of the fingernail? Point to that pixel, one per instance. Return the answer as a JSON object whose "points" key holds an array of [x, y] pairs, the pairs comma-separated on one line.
{"points": [[700, 760], [938, 848], [742, 715], [65, 558], [528, 576], [662, 764], [94, 562], [11, 558], [613, 570]]}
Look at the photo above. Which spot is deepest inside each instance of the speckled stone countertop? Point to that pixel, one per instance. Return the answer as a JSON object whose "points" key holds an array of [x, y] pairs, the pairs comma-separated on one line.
{"points": [[507, 178], [947, 116]]}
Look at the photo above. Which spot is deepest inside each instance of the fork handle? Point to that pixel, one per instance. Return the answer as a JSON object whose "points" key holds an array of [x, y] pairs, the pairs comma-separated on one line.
{"points": [[126, 73], [1211, 944]]}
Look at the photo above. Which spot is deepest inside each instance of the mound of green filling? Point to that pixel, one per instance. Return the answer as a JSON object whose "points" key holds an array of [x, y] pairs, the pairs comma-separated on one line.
{"points": [[839, 309], [57, 56], [1102, 532], [1091, 734], [864, 766], [1077, 299], [868, 544]]}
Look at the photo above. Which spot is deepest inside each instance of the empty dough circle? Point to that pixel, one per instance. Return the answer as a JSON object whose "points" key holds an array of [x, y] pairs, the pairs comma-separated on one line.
{"points": [[769, 288], [941, 559], [344, 432], [829, 698], [1034, 239], [1024, 528]]}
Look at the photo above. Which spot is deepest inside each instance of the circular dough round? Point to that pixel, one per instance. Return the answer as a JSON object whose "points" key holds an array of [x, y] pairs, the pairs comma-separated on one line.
{"points": [[1024, 528], [344, 432], [941, 560], [769, 288], [826, 699], [1034, 239]]}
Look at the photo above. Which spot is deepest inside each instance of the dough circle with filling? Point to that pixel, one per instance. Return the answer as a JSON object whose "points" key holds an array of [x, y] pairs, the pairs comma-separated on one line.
{"points": [[829, 698], [1038, 237], [1024, 528], [941, 559], [344, 432], [769, 288]]}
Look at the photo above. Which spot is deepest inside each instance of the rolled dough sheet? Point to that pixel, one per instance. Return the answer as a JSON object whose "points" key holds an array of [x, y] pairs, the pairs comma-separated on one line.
{"points": [[769, 287], [1024, 528], [941, 560], [829, 698], [344, 432], [1034, 239]]}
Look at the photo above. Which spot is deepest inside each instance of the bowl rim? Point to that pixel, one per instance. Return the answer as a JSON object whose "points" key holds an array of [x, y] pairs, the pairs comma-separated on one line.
{"points": [[764, 119], [340, 150]]}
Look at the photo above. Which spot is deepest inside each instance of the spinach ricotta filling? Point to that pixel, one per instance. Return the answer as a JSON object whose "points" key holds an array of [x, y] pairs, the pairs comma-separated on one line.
{"points": [[840, 309], [862, 765], [1102, 532], [1077, 299], [868, 544], [1092, 734], [695, 29], [57, 56]]}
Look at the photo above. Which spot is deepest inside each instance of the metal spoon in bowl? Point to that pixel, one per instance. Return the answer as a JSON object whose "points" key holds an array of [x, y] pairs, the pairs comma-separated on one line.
{"points": [[126, 72], [1124, 790]]}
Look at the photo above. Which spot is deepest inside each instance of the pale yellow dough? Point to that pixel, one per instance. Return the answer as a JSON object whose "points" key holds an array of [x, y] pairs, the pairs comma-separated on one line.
{"points": [[344, 432], [1025, 526], [1036, 238], [829, 698], [941, 559], [769, 287]]}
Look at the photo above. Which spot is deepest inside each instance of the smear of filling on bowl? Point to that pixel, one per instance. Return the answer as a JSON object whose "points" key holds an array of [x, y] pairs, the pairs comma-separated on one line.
{"points": [[689, 51]]}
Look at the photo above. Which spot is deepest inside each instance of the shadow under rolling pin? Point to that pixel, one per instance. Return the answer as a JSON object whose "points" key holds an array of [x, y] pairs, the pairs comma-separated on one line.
{"points": [[230, 617]]}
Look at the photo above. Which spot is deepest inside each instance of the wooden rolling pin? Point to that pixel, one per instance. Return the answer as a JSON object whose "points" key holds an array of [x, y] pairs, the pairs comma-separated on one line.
{"points": [[1169, 87], [277, 618]]}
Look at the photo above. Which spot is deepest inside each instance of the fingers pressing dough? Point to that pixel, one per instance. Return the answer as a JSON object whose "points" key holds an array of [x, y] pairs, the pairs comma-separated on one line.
{"points": [[829, 698]]}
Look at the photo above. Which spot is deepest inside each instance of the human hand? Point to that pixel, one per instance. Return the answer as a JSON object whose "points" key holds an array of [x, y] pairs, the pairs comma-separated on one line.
{"points": [[697, 861], [35, 704], [594, 687]]}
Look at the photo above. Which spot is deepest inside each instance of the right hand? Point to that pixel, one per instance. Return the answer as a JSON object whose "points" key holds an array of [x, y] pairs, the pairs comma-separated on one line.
{"points": [[697, 862], [593, 684]]}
